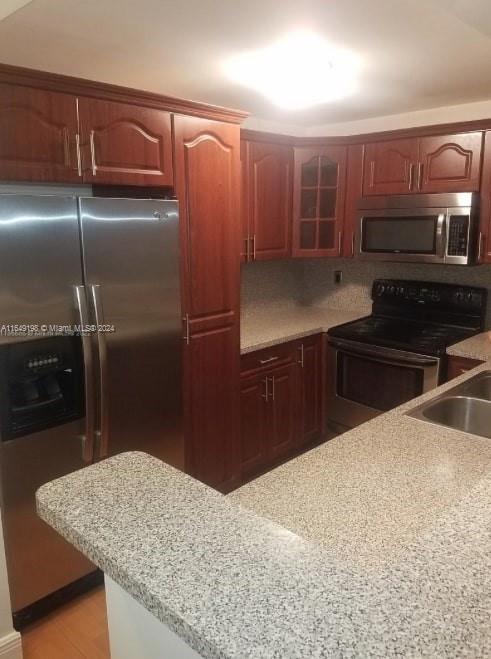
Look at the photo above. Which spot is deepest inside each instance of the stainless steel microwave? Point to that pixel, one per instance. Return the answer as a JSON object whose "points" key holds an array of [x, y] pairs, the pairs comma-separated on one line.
{"points": [[436, 228]]}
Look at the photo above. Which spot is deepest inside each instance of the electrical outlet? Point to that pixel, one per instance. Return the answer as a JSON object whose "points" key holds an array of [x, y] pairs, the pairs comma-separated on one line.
{"points": [[338, 276]]}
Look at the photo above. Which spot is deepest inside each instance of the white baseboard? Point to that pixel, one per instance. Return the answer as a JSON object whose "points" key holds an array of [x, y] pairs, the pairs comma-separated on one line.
{"points": [[11, 646]]}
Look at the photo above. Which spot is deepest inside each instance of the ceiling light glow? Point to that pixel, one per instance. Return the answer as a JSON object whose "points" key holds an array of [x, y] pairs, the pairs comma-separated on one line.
{"points": [[298, 71]]}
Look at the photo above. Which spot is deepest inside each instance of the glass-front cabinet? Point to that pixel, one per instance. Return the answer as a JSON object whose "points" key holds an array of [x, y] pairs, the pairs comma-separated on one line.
{"points": [[318, 204]]}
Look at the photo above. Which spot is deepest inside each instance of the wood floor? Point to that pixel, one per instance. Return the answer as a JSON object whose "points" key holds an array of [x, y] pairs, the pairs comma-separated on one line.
{"points": [[78, 630]]}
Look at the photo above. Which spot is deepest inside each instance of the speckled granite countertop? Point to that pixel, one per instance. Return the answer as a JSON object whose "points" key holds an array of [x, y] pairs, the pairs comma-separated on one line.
{"points": [[477, 347], [375, 544], [266, 328]]}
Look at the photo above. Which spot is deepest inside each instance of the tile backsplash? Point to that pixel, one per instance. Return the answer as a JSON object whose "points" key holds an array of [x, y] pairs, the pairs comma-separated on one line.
{"points": [[311, 282]]}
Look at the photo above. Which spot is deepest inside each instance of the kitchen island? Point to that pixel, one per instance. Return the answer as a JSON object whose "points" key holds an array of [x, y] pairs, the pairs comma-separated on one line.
{"points": [[377, 543]]}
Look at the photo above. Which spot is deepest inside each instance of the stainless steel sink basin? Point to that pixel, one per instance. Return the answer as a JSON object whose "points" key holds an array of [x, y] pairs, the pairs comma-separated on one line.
{"points": [[460, 412], [466, 407]]}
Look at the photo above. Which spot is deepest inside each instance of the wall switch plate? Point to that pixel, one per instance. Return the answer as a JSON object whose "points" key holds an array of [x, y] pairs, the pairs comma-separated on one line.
{"points": [[338, 276]]}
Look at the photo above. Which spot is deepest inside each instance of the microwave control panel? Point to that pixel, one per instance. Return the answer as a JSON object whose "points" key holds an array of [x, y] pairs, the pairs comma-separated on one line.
{"points": [[458, 235]]}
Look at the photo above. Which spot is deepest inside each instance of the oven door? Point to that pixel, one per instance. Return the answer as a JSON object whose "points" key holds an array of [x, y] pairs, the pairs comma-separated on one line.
{"points": [[417, 234], [365, 380]]}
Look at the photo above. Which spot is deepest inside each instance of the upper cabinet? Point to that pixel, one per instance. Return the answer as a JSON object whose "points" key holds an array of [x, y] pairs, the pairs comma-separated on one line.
{"points": [[38, 132], [318, 200], [125, 144], [389, 167], [266, 200], [448, 163]]}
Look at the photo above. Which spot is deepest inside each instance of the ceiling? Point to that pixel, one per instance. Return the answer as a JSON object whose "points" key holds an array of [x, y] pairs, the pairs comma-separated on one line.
{"points": [[416, 54]]}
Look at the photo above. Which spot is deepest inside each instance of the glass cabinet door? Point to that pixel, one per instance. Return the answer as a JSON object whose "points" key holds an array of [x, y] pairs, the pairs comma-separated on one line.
{"points": [[318, 200]]}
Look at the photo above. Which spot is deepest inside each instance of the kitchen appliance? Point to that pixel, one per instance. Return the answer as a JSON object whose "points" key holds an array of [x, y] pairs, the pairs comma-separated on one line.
{"points": [[90, 354], [397, 353], [426, 228]]}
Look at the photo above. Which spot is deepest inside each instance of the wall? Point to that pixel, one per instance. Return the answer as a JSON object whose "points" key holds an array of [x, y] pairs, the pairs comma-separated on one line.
{"points": [[311, 282]]}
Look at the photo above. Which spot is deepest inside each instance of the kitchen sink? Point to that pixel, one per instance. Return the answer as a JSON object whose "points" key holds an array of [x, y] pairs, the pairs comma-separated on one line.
{"points": [[466, 407]]}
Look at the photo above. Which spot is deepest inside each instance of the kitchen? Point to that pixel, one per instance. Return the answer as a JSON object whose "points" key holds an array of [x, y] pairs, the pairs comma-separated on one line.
{"points": [[284, 305]]}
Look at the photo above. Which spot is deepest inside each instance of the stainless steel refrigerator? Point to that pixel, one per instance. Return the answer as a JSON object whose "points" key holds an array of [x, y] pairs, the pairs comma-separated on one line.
{"points": [[90, 360]]}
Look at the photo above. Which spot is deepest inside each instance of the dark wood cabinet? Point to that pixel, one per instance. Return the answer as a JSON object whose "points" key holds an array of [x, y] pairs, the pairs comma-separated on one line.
{"points": [[459, 365], [125, 144], [310, 388], [207, 168], [354, 190], [38, 133], [450, 163], [442, 163], [389, 167], [266, 181], [281, 402], [318, 200], [484, 244]]}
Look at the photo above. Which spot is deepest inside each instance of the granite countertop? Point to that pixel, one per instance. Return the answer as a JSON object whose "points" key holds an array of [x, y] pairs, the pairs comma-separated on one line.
{"points": [[476, 347], [377, 543], [265, 328]]}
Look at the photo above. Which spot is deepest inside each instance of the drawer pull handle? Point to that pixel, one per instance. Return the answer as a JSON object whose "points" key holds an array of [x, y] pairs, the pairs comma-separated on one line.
{"points": [[268, 360]]}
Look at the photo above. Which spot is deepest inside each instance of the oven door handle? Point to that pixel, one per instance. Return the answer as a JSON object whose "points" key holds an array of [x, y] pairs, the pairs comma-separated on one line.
{"points": [[389, 355]]}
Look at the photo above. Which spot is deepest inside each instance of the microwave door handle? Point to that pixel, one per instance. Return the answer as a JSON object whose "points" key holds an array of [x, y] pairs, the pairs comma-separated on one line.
{"points": [[101, 344], [88, 360], [441, 235]]}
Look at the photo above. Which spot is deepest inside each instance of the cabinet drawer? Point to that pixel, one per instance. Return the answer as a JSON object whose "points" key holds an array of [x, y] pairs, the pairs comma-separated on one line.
{"points": [[284, 353]]}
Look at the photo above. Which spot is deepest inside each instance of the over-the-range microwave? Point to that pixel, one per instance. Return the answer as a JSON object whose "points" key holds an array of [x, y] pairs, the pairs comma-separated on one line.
{"points": [[425, 228]]}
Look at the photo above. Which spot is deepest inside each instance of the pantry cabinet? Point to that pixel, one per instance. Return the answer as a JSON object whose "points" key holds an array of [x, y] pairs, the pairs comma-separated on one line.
{"points": [[208, 187], [443, 163], [266, 200], [318, 200], [281, 403]]}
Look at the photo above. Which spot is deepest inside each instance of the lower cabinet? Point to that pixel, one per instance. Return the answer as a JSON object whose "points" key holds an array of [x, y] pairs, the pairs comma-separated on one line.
{"points": [[458, 365], [281, 402]]}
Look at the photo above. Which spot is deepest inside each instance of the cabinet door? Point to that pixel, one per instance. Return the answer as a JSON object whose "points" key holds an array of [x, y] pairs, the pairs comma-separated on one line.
{"points": [[310, 363], [354, 190], [254, 424], [208, 188], [389, 167], [283, 410], [245, 245], [269, 172], [125, 144], [459, 365], [318, 201], [450, 163], [38, 131], [484, 245]]}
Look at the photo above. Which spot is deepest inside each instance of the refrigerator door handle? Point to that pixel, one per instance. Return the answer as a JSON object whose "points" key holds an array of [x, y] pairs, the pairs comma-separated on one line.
{"points": [[103, 432], [89, 437]]}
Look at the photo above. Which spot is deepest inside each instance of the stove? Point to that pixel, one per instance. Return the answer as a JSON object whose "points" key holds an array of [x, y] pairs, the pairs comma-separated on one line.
{"points": [[399, 352]]}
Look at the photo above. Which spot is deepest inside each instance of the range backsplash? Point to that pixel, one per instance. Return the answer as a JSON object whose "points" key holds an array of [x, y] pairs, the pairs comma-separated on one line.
{"points": [[311, 282]]}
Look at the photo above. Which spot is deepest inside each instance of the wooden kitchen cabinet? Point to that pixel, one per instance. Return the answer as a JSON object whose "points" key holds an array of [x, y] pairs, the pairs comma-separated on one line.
{"points": [[38, 130], [207, 168], [318, 200], [389, 167], [442, 163], [266, 200], [281, 402], [459, 365], [125, 144]]}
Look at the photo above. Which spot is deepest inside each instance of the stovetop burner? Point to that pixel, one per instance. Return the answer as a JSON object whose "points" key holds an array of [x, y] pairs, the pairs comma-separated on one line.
{"points": [[417, 316]]}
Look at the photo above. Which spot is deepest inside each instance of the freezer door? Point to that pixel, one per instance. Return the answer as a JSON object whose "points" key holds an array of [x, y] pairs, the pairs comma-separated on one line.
{"points": [[39, 261], [131, 262]]}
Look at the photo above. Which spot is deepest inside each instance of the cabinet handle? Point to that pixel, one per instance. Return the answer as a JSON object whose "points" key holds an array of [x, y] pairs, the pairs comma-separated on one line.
{"points": [[186, 336], [272, 390], [265, 395], [479, 247], [411, 176], [79, 156], [353, 244], [420, 175], [269, 359], [254, 247], [92, 153], [300, 361], [340, 238]]}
